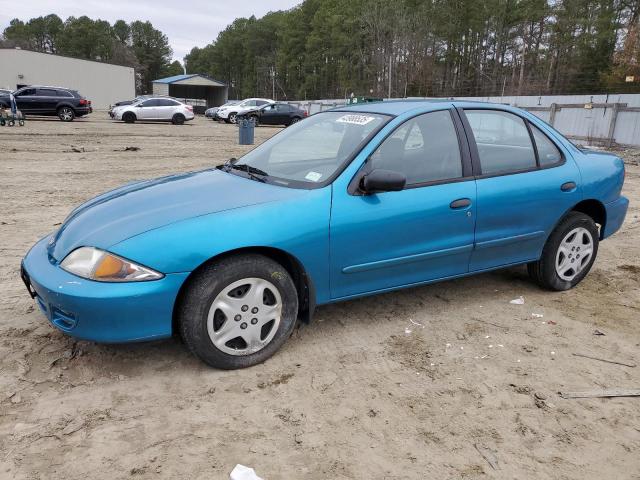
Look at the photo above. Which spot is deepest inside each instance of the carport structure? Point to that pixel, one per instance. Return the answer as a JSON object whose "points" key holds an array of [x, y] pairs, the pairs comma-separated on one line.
{"points": [[198, 90]]}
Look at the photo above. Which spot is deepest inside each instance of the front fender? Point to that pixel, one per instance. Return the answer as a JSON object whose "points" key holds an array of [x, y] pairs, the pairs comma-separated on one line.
{"points": [[297, 225]]}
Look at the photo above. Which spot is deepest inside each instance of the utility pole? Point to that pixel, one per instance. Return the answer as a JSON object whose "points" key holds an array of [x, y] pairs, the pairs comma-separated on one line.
{"points": [[389, 76]]}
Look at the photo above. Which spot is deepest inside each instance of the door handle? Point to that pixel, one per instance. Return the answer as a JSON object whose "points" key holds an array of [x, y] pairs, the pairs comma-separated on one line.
{"points": [[568, 186], [460, 203]]}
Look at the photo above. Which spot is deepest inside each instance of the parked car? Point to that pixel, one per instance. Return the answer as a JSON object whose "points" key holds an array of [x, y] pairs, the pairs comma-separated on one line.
{"points": [[161, 109], [64, 103], [275, 114], [211, 112], [229, 113], [412, 193], [135, 100], [5, 91]]}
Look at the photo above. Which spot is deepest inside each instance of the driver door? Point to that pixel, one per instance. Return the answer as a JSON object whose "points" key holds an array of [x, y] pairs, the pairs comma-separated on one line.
{"points": [[426, 231], [147, 110]]}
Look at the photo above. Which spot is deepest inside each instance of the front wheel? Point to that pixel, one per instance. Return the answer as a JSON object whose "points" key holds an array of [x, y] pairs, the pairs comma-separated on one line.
{"points": [[66, 114], [233, 118], [568, 254], [238, 312]]}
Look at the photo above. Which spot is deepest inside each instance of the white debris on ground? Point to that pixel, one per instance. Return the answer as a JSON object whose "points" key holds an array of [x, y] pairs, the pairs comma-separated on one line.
{"points": [[240, 472]]}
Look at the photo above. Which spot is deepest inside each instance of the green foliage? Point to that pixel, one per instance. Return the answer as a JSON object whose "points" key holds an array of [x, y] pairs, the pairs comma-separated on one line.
{"points": [[332, 48]]}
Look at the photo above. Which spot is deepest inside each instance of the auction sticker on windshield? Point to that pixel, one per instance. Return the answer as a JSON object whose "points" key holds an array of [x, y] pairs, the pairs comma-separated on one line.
{"points": [[313, 176], [355, 119]]}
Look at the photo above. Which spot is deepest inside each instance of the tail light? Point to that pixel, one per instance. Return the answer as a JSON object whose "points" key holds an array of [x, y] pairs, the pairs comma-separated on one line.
{"points": [[306, 114], [83, 101], [189, 107]]}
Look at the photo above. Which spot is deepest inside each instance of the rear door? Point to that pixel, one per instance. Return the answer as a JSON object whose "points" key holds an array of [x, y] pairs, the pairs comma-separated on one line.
{"points": [[47, 100], [525, 184], [422, 233], [165, 109]]}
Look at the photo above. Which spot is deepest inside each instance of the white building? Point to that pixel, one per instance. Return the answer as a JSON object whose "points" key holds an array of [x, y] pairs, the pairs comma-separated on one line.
{"points": [[102, 83]]}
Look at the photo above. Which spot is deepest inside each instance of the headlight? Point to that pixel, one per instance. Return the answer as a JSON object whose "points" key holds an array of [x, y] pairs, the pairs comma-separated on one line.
{"points": [[96, 264]]}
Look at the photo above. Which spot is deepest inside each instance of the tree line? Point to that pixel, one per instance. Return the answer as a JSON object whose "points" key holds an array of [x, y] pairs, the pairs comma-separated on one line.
{"points": [[137, 44], [333, 48]]}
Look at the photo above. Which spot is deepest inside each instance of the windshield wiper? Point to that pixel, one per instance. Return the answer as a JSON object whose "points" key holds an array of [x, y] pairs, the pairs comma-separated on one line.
{"points": [[253, 172]]}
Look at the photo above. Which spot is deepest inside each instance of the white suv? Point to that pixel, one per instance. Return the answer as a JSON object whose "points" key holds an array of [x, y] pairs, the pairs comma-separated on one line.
{"points": [[155, 109], [229, 113]]}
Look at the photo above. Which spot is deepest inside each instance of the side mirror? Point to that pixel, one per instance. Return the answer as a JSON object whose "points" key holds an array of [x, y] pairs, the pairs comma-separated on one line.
{"points": [[378, 181]]}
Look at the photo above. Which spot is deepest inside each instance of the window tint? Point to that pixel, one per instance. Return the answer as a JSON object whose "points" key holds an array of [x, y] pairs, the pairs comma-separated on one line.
{"points": [[260, 102], [150, 103], [503, 141], [167, 103], [548, 153], [424, 148], [27, 91], [47, 92]]}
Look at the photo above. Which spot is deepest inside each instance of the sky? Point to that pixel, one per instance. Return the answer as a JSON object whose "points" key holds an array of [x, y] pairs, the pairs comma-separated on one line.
{"points": [[187, 23]]}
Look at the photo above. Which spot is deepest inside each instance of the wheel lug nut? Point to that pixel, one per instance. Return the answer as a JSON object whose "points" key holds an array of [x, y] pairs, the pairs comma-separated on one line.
{"points": [[254, 321], [254, 310], [243, 325], [238, 317], [244, 308]]}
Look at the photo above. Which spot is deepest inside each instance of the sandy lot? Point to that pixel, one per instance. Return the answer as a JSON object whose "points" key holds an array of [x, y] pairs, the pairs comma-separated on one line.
{"points": [[435, 382]]}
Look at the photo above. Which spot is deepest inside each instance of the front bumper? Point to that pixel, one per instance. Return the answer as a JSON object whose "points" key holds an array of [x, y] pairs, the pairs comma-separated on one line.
{"points": [[616, 212], [100, 311]]}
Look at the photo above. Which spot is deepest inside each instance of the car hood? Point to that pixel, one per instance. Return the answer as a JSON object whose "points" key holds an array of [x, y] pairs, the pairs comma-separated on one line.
{"points": [[142, 206]]}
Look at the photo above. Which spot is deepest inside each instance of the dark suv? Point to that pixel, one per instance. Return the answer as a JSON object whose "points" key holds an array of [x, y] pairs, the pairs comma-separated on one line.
{"points": [[64, 103]]}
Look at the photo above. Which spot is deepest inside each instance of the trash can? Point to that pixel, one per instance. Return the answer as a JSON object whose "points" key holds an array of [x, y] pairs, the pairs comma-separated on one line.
{"points": [[246, 128]]}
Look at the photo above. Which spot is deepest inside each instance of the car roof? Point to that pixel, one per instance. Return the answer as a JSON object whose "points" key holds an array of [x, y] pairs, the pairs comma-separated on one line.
{"points": [[398, 107], [48, 86]]}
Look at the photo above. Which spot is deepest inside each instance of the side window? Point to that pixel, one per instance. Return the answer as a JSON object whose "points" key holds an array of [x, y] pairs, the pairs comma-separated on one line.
{"points": [[150, 103], [64, 93], [282, 108], [47, 92], [27, 92], [167, 103], [250, 103], [260, 103], [424, 148], [503, 141], [548, 153]]}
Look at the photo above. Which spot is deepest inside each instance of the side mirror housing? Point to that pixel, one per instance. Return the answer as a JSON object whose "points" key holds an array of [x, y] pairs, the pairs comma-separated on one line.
{"points": [[379, 180]]}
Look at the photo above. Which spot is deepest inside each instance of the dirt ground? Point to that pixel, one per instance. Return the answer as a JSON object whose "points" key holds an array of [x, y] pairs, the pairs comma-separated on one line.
{"points": [[444, 381]]}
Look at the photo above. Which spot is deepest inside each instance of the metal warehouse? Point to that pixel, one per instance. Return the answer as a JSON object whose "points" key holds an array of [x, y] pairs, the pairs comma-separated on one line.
{"points": [[102, 83], [198, 90]]}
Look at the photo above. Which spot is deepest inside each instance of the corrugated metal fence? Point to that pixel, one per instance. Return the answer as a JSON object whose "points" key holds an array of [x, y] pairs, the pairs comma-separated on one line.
{"points": [[590, 119]]}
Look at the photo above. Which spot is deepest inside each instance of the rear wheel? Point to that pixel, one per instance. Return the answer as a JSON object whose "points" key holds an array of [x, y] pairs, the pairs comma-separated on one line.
{"points": [[129, 117], [66, 114], [294, 120], [178, 119], [568, 254], [238, 312]]}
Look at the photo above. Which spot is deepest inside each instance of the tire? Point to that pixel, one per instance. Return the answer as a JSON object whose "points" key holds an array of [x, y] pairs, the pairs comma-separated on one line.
{"points": [[178, 119], [294, 120], [209, 332], [66, 114], [129, 117], [232, 118], [564, 263]]}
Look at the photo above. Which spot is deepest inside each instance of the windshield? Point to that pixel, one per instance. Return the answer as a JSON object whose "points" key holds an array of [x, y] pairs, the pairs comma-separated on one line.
{"points": [[313, 150]]}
